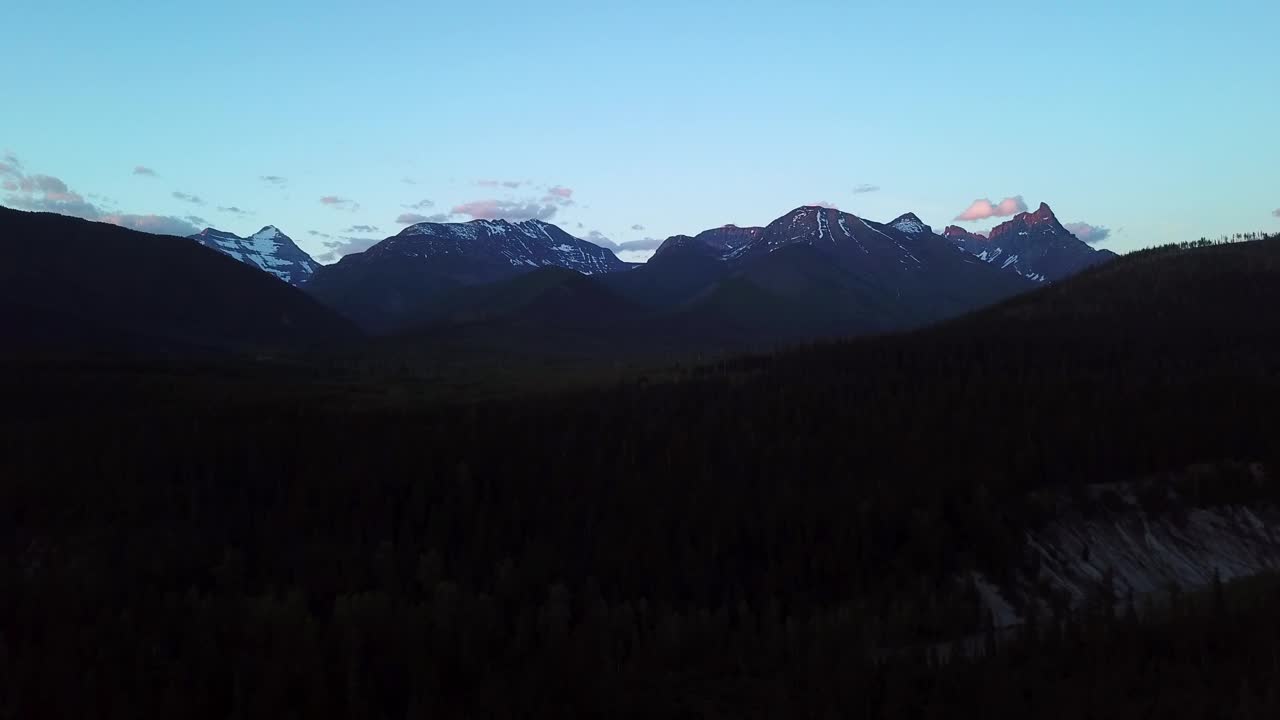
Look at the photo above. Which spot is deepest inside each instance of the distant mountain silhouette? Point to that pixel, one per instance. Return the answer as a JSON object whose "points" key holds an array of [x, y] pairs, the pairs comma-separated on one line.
{"points": [[815, 272], [68, 283], [394, 283]]}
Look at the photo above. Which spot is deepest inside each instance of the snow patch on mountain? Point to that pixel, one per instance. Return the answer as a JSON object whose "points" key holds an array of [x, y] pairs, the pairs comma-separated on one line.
{"points": [[268, 250]]}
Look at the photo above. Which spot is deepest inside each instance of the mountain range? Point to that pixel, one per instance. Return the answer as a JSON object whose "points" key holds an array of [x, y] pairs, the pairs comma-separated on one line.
{"points": [[815, 272]]}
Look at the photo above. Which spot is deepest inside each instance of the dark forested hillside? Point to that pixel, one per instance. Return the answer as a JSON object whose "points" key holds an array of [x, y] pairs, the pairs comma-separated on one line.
{"points": [[736, 539], [92, 286]]}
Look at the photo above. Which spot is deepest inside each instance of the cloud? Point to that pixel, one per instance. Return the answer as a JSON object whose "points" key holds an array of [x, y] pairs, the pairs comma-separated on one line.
{"points": [[195, 220], [233, 210], [44, 193], [273, 179], [595, 237], [506, 210], [154, 224], [408, 181], [558, 195], [637, 227], [415, 218], [317, 233], [345, 245], [865, 188], [1092, 234], [1276, 212], [500, 183], [339, 203], [12, 160], [983, 208], [194, 200], [143, 170], [823, 204], [421, 205], [361, 229]]}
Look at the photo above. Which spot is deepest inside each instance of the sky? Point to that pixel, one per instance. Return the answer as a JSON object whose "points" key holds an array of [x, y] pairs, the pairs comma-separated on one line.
{"points": [[1144, 122]]}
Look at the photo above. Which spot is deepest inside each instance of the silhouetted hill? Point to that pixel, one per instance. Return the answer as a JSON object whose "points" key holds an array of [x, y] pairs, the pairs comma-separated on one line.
{"points": [[94, 281]]}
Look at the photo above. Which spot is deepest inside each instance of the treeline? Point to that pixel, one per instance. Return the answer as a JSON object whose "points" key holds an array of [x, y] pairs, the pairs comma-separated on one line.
{"points": [[742, 537]]}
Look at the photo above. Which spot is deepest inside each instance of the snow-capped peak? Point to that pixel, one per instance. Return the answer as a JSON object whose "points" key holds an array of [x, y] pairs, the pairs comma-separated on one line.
{"points": [[269, 232], [910, 224], [268, 250]]}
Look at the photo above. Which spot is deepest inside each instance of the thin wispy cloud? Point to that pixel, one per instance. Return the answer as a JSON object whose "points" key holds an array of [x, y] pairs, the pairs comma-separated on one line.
{"points": [[415, 218], [1275, 213], [637, 227], [361, 229], [317, 233], [595, 237], [144, 171], [1092, 234], [506, 210], [560, 194], [408, 181], [345, 245], [195, 220], [185, 197], [339, 203], [512, 184], [823, 204], [865, 188], [982, 209], [423, 204], [273, 180], [233, 210]]}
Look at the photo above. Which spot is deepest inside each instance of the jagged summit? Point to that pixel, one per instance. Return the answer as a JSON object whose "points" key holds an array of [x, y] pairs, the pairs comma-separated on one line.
{"points": [[911, 224], [269, 250], [1033, 244]]}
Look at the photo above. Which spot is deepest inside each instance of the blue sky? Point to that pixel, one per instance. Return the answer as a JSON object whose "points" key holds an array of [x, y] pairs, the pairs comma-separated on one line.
{"points": [[1155, 121]]}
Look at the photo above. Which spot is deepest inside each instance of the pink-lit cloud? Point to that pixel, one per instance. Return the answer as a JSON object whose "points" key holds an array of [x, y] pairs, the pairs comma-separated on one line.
{"points": [[982, 209], [505, 209], [560, 192], [46, 193], [1092, 234], [155, 224]]}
